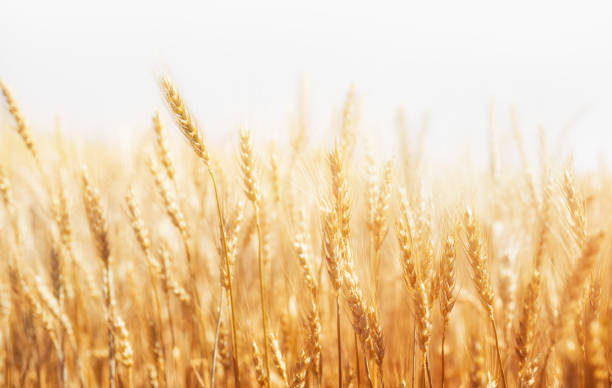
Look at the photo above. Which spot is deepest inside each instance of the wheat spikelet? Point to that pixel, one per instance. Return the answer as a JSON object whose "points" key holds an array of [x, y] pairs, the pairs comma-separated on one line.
{"points": [[225, 356], [275, 178], [447, 288], [232, 245], [525, 335], [152, 376], [480, 277], [340, 195], [378, 199], [140, 230], [5, 190], [330, 249], [353, 295], [313, 319], [376, 336], [7, 197], [22, 127], [96, 217], [125, 353], [169, 199], [251, 191], [447, 283], [578, 275], [162, 149], [576, 209], [407, 261], [63, 218], [98, 226], [526, 329], [247, 167], [277, 358], [170, 283], [301, 368], [184, 120], [258, 365], [413, 280], [478, 263], [301, 249]]}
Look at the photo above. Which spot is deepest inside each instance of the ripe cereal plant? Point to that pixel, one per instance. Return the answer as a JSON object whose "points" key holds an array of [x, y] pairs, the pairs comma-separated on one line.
{"points": [[180, 262]]}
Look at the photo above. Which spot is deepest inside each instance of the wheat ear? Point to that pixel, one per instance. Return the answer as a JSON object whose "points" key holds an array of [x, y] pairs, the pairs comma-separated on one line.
{"points": [[480, 276], [447, 294], [98, 226], [192, 133], [163, 151], [251, 190], [22, 127]]}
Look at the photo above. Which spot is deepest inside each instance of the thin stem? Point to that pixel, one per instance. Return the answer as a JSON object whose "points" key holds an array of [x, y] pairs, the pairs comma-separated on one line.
{"points": [[499, 360], [367, 372], [375, 257], [339, 341], [62, 373], [214, 356], [172, 337], [231, 292], [544, 365], [196, 296], [159, 316], [413, 351], [262, 292], [62, 370], [442, 355], [428, 369], [357, 360], [111, 322]]}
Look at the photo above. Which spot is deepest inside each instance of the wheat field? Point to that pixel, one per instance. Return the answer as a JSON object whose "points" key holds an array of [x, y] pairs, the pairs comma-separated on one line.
{"points": [[297, 263]]}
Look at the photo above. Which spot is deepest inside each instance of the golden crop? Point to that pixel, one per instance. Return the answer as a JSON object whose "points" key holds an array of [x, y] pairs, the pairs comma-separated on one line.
{"points": [[295, 265]]}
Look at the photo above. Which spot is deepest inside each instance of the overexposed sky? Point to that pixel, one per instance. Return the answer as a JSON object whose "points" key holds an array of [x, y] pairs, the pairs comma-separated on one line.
{"points": [[94, 64]]}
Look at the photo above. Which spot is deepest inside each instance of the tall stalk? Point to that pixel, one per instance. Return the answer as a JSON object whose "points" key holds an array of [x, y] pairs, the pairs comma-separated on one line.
{"points": [[214, 356], [262, 290], [230, 288], [358, 371], [499, 360], [339, 338], [192, 133], [442, 357]]}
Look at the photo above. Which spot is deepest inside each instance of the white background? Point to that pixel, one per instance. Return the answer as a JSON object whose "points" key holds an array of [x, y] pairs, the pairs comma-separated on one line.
{"points": [[94, 64]]}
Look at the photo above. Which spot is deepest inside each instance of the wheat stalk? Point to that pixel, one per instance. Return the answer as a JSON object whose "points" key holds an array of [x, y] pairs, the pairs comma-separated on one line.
{"points": [[480, 277], [98, 226]]}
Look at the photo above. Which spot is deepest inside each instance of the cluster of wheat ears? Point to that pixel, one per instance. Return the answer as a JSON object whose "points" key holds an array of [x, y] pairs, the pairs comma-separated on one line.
{"points": [[318, 266]]}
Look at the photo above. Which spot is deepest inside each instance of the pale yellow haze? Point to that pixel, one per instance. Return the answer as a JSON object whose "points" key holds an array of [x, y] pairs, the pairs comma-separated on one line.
{"points": [[94, 64]]}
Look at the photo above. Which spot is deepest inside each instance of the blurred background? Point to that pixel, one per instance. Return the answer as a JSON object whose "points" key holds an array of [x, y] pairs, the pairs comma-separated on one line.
{"points": [[450, 65]]}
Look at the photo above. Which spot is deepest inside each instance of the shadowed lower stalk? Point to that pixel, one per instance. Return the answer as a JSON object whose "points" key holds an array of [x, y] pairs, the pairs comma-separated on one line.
{"points": [[214, 356], [499, 360], [98, 226], [413, 351], [142, 235], [192, 133], [428, 370], [252, 192], [357, 360], [230, 288], [442, 357], [447, 292], [262, 291], [339, 341], [480, 277]]}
